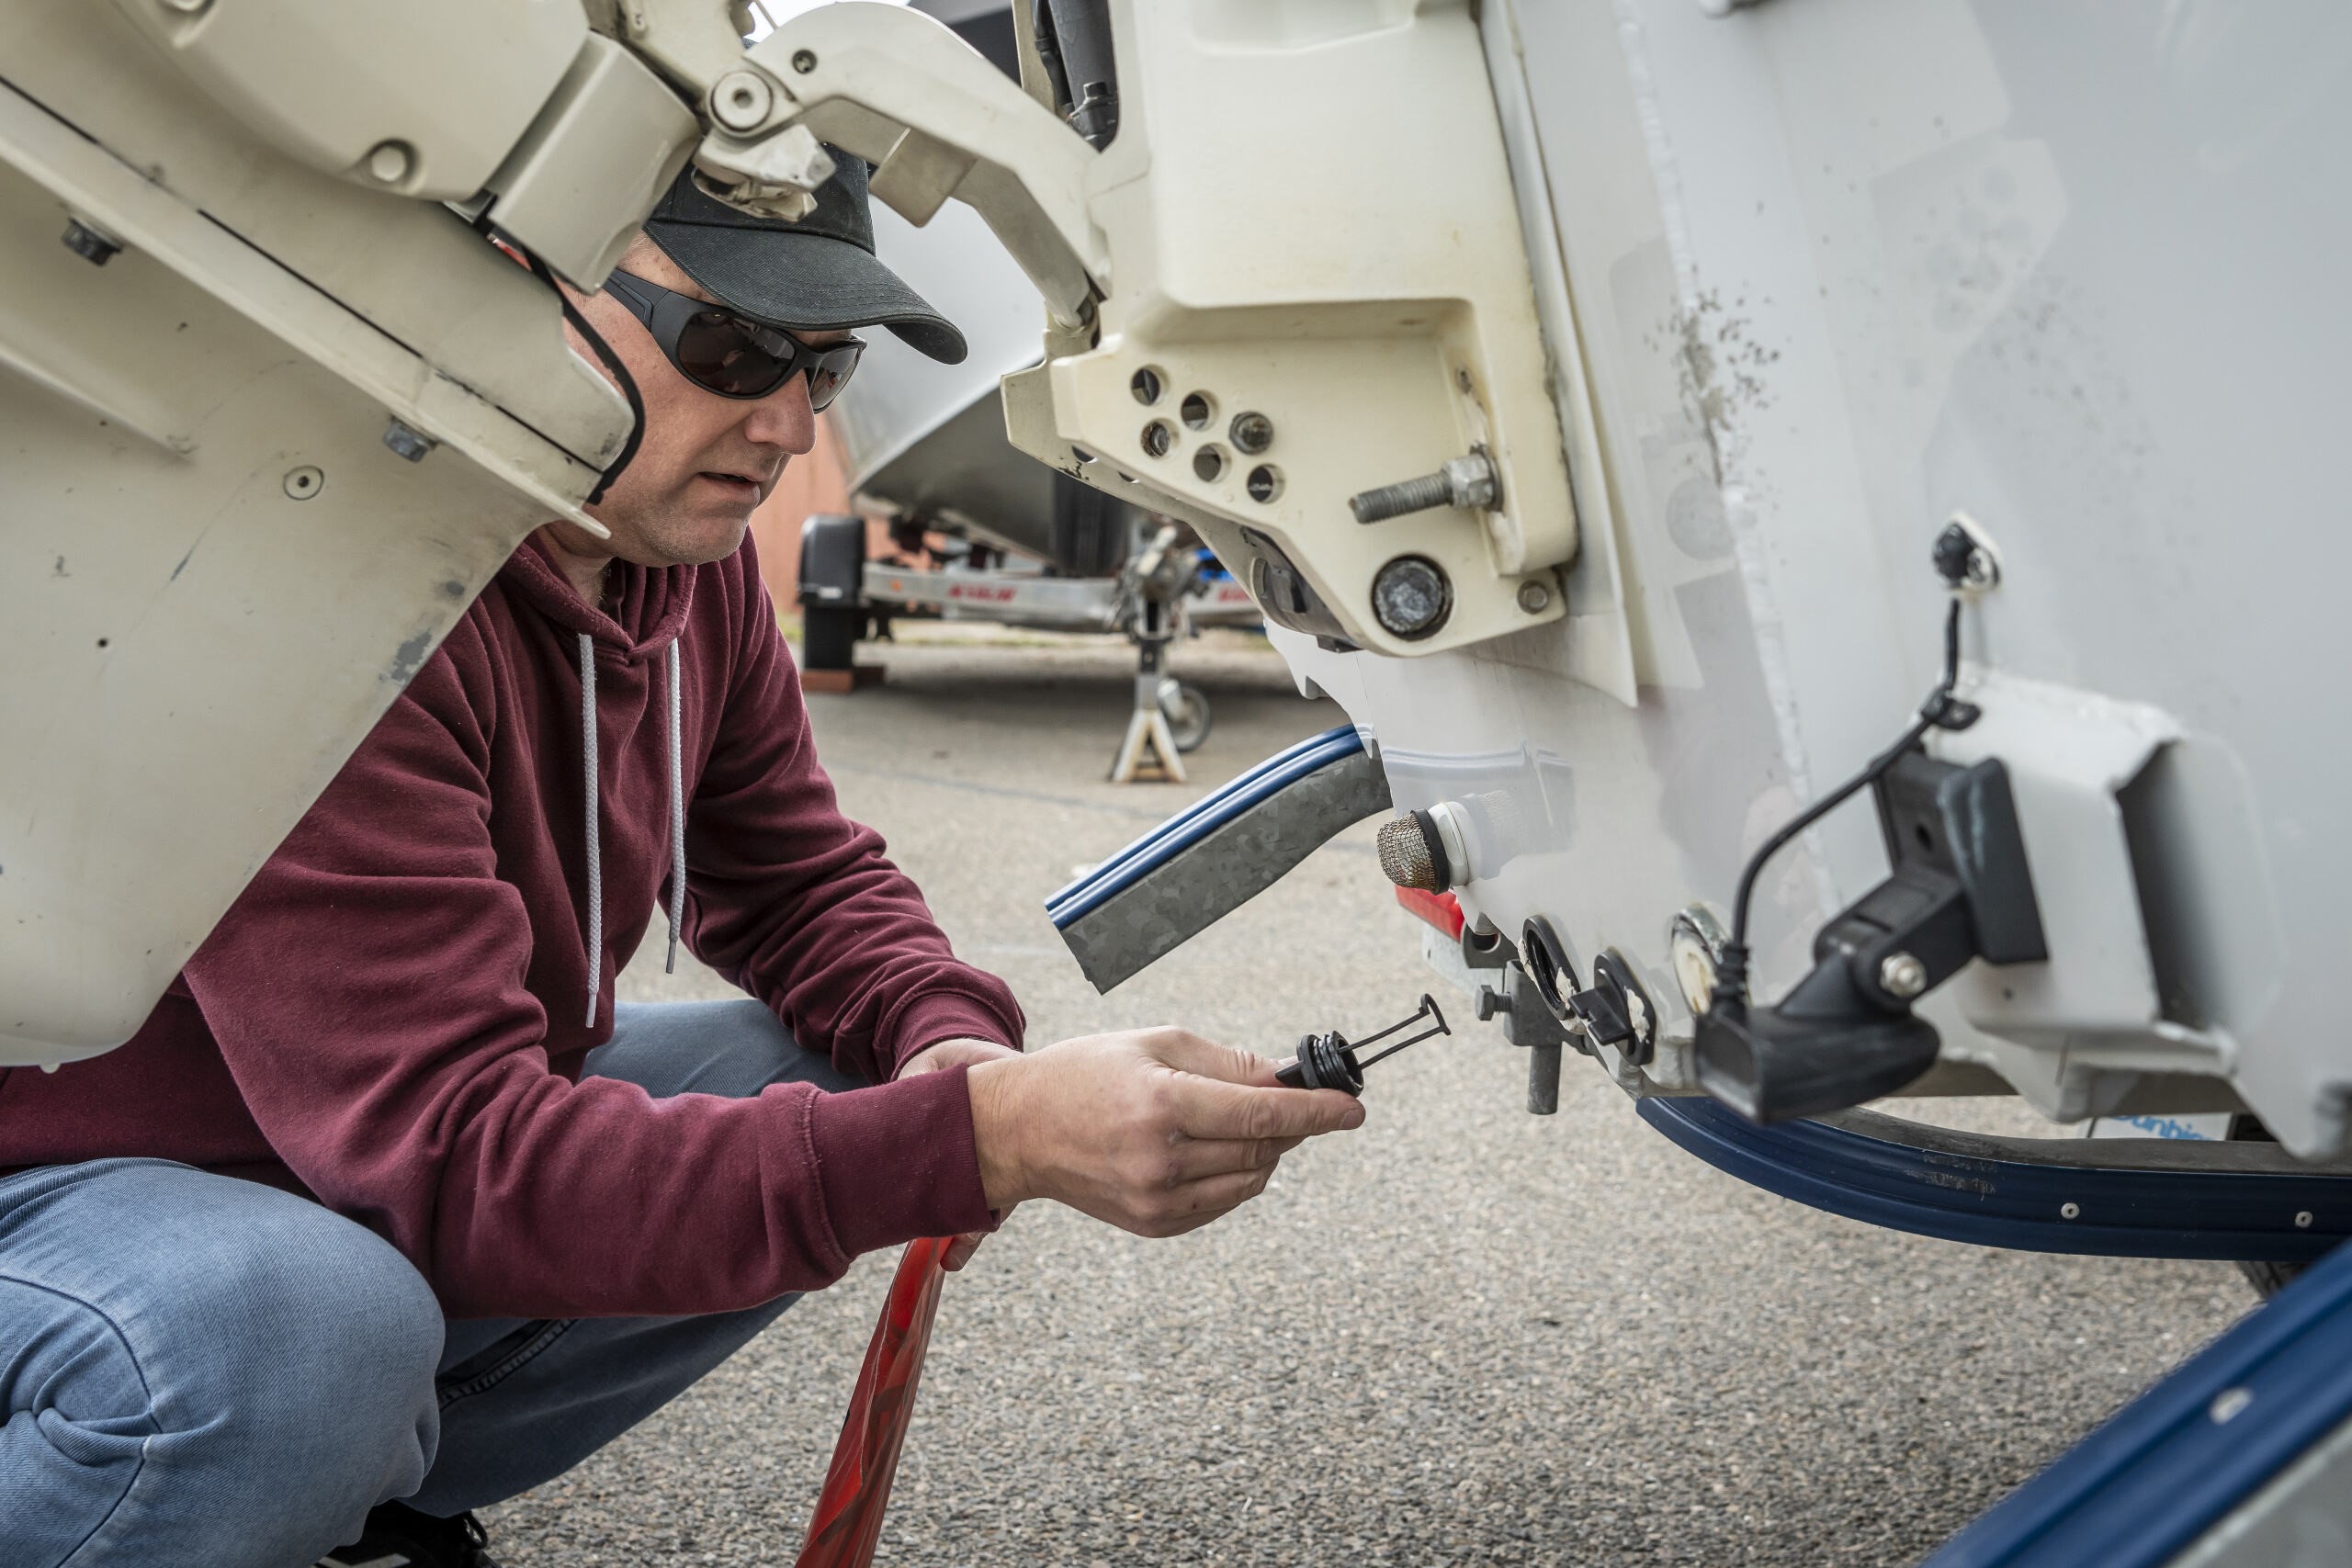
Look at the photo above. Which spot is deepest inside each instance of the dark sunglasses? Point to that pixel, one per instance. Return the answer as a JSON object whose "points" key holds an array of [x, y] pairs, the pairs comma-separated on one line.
{"points": [[728, 354]]}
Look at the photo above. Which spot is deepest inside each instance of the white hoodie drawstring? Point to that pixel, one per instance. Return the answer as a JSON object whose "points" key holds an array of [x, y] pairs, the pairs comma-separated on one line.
{"points": [[595, 810], [677, 819]]}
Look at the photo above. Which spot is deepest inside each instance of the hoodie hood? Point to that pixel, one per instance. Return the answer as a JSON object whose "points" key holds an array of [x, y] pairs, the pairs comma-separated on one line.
{"points": [[643, 615]]}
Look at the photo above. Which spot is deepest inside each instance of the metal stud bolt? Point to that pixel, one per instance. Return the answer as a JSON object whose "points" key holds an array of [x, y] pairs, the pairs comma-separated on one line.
{"points": [[1902, 975]]}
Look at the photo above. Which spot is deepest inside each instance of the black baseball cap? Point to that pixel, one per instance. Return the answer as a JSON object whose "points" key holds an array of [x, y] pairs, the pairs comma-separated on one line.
{"points": [[818, 275]]}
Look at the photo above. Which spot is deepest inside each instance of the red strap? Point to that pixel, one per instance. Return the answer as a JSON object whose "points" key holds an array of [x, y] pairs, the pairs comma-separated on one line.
{"points": [[848, 1519]]}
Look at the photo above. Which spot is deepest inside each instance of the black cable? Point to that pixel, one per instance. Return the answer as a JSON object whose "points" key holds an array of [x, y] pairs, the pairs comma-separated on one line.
{"points": [[604, 351], [1941, 711]]}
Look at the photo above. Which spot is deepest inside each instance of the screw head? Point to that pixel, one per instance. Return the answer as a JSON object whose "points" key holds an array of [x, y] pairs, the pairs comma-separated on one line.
{"points": [[2070, 1211], [1157, 437], [1411, 597], [1251, 431], [2302, 1219], [1534, 598], [1902, 975], [804, 61], [304, 482]]}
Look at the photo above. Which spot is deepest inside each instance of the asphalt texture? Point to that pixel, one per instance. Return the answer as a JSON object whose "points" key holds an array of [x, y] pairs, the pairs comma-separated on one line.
{"points": [[1461, 1334]]}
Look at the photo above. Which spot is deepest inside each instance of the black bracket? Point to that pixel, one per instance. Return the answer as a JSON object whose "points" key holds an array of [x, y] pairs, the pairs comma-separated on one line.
{"points": [[1959, 890]]}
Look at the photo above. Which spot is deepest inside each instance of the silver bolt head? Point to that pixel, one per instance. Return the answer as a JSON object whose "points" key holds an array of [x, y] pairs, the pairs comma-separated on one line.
{"points": [[1410, 597], [410, 443], [1251, 431], [1534, 598], [1900, 975], [2070, 1211]]}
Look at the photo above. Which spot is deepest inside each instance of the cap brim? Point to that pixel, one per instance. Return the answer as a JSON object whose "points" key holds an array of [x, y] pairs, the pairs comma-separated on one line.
{"points": [[808, 282]]}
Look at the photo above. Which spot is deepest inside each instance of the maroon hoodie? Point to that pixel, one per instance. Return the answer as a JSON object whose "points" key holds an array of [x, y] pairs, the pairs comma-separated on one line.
{"points": [[392, 1015]]}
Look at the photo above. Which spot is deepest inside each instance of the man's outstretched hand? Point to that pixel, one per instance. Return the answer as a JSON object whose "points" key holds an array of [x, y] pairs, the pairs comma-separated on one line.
{"points": [[1155, 1131]]}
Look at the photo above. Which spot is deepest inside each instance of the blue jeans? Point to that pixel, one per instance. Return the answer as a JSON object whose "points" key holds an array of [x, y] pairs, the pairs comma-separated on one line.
{"points": [[203, 1372]]}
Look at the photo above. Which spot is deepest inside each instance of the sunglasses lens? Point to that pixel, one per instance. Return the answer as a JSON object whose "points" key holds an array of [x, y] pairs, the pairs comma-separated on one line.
{"points": [[723, 353], [830, 371]]}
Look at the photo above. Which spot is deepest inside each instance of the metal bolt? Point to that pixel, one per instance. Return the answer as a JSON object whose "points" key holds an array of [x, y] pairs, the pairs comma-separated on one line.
{"points": [[1489, 1002], [90, 245], [304, 482], [1411, 597], [804, 61], [1251, 431], [1902, 975], [2070, 1211], [1534, 597], [2302, 1219], [741, 99], [1157, 438], [408, 443], [1465, 481]]}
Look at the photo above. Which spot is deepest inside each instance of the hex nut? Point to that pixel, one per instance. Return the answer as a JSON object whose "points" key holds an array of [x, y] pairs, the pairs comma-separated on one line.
{"points": [[408, 443], [90, 245], [1902, 975]]}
